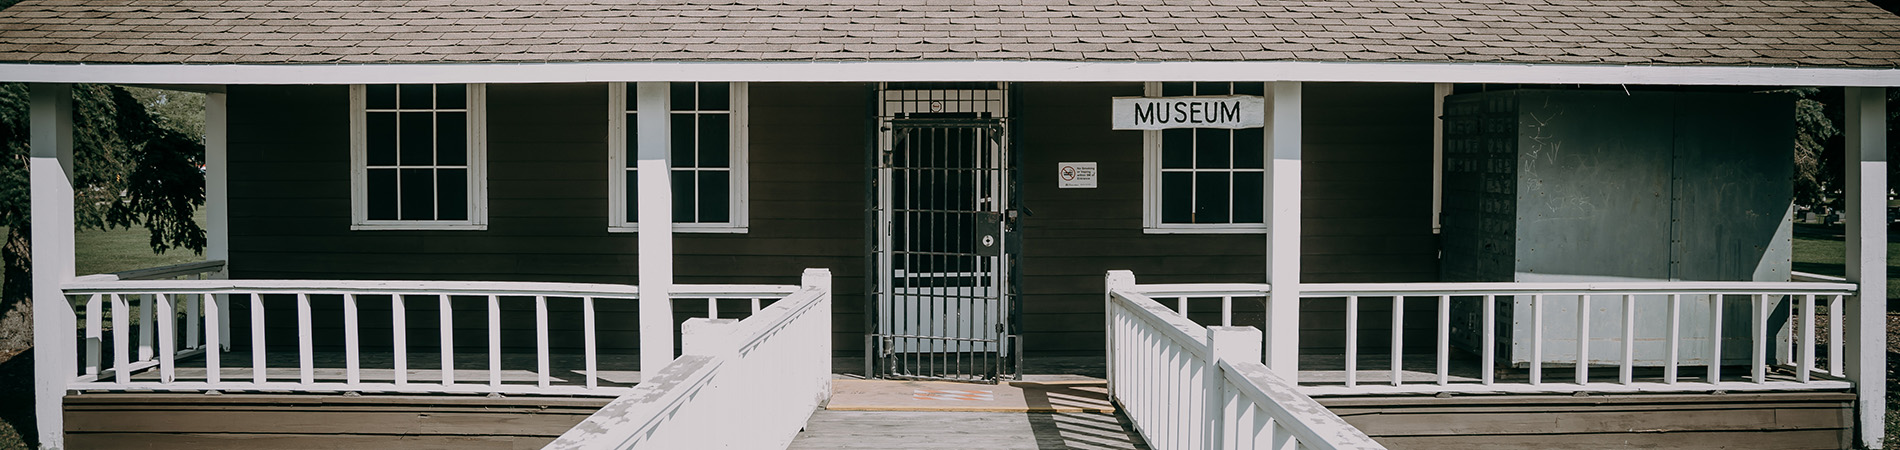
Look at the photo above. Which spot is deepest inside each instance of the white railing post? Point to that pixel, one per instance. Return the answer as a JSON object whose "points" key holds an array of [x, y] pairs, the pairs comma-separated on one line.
{"points": [[818, 279], [1236, 344], [1283, 228], [50, 171], [1867, 257], [218, 207], [1116, 280], [656, 227]]}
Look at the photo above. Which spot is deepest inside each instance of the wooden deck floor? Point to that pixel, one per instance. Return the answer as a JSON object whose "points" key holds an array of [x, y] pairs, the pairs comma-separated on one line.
{"points": [[965, 430]]}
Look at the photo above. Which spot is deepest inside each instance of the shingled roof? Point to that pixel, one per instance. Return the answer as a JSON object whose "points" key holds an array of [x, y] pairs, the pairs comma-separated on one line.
{"points": [[1661, 32]]}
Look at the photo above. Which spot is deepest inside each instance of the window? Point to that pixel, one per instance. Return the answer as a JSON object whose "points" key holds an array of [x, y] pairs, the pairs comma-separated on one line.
{"points": [[417, 156], [1204, 180], [708, 156]]}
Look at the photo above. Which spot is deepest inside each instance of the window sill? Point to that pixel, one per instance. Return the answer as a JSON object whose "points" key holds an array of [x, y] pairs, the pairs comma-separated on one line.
{"points": [[397, 226], [687, 228], [1205, 230]]}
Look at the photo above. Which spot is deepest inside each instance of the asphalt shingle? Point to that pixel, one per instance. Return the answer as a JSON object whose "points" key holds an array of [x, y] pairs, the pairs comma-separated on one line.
{"points": [[1666, 32]]}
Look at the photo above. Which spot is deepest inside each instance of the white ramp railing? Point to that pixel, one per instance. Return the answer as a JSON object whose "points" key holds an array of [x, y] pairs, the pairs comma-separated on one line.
{"points": [[1191, 387], [749, 384]]}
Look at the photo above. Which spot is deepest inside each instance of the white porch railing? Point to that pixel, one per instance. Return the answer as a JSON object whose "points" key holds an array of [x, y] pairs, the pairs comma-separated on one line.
{"points": [[1813, 303], [207, 324], [745, 385], [1191, 387]]}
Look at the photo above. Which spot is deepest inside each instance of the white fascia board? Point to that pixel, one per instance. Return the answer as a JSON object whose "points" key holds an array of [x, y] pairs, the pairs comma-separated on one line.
{"points": [[1019, 71]]}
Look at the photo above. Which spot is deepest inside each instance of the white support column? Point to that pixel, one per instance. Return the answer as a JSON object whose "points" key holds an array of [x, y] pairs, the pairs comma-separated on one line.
{"points": [[656, 228], [51, 171], [218, 206], [1867, 258], [1283, 228]]}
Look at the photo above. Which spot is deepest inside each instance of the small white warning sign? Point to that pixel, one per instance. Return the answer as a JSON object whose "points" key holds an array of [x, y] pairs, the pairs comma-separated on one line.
{"points": [[1076, 175]]}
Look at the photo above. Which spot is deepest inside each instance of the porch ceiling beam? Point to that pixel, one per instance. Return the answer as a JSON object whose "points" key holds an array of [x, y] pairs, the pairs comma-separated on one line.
{"points": [[51, 173], [1022, 71], [1867, 258], [656, 227], [1283, 228]]}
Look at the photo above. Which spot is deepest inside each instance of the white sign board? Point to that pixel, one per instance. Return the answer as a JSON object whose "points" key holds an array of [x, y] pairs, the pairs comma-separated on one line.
{"points": [[1076, 175], [1231, 112]]}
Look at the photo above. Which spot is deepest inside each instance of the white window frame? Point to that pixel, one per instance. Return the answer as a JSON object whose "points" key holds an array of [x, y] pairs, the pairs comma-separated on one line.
{"points": [[617, 154], [477, 108], [1151, 190]]}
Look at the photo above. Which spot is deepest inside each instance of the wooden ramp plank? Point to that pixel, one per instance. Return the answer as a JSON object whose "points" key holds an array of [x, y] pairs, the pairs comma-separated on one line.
{"points": [[964, 430]]}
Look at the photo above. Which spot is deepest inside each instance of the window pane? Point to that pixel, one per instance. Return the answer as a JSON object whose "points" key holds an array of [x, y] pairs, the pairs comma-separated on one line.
{"points": [[451, 138], [418, 194], [1177, 197], [682, 97], [683, 141], [683, 204], [633, 196], [1177, 148], [713, 96], [451, 96], [1250, 149], [633, 140], [1250, 88], [380, 96], [381, 137], [714, 197], [1176, 89], [714, 140], [381, 195], [1210, 197], [417, 96], [1249, 196], [418, 138], [451, 193], [1211, 149], [1212, 89], [633, 99]]}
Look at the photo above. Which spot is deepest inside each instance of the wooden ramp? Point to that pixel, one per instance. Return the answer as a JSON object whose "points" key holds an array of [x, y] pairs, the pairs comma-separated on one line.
{"points": [[131, 420], [884, 430]]}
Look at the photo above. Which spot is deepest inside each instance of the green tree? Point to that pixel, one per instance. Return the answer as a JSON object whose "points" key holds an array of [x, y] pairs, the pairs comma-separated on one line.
{"points": [[129, 170]]}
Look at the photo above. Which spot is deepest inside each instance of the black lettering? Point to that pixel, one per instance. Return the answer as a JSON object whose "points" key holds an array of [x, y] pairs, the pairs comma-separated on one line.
{"points": [[1197, 112], [1180, 112], [1145, 113]]}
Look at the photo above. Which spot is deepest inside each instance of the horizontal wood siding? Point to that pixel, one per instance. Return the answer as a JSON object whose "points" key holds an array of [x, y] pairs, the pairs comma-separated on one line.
{"points": [[200, 422], [547, 164], [1693, 421], [1366, 211], [1367, 214]]}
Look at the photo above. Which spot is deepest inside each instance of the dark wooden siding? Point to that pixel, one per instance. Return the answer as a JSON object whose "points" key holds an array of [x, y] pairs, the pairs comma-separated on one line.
{"points": [[251, 421], [1821, 420], [1366, 209]]}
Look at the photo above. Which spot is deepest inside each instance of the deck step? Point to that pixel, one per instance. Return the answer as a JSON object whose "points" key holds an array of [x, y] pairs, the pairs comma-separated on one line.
{"points": [[881, 430]]}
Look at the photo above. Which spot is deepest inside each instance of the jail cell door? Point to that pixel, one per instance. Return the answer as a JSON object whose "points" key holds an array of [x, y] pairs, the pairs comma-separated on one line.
{"points": [[943, 311]]}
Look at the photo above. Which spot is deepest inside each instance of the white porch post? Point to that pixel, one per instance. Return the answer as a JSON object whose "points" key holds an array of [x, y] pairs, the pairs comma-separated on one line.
{"points": [[1283, 228], [218, 207], [1867, 257], [656, 229], [51, 171]]}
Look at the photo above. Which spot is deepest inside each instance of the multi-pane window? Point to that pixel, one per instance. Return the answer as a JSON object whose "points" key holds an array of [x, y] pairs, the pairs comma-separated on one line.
{"points": [[418, 156], [1206, 179], [706, 153]]}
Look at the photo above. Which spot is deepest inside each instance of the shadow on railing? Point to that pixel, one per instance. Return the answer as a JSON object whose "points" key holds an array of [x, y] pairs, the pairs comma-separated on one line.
{"points": [[765, 374], [1191, 387]]}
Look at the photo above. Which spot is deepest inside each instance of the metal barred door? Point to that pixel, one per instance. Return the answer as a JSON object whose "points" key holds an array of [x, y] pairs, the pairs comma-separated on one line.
{"points": [[943, 304]]}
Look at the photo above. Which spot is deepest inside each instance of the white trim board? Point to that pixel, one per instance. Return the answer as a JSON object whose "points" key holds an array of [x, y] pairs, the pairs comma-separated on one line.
{"points": [[965, 70]]}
